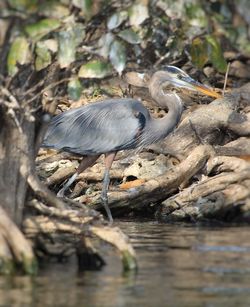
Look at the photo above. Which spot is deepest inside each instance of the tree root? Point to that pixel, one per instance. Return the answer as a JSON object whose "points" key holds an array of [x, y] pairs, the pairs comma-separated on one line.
{"points": [[88, 257], [43, 192], [213, 197], [157, 189], [81, 225], [64, 173], [14, 248], [208, 123], [118, 239]]}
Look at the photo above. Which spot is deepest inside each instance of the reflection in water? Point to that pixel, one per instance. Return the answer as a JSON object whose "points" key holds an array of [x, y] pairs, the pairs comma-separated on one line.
{"points": [[179, 265]]}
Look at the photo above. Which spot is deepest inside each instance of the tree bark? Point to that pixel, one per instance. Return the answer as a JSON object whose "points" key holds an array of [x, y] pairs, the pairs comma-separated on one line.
{"points": [[16, 141]]}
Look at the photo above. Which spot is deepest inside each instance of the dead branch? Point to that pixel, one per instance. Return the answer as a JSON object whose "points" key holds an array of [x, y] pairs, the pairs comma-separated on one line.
{"points": [[60, 175]]}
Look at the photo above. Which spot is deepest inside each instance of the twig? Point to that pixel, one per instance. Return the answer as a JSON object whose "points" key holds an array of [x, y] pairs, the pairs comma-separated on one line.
{"points": [[12, 114], [225, 82], [47, 88], [11, 105], [13, 101], [34, 88]]}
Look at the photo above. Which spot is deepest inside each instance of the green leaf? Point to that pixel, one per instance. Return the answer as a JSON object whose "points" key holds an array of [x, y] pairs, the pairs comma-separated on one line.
{"points": [[116, 19], [42, 28], [138, 12], [53, 9], [85, 5], [68, 40], [117, 56], [196, 15], [199, 54], [104, 44], [67, 48], [51, 44], [129, 36], [74, 89], [95, 69], [19, 53], [79, 32], [23, 5], [43, 58], [215, 54]]}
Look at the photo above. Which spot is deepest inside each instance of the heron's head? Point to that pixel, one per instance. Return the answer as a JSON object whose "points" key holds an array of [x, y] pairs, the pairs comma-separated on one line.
{"points": [[180, 79]]}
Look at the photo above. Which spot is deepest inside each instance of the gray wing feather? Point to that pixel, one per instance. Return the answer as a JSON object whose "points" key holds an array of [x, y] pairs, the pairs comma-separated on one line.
{"points": [[96, 128]]}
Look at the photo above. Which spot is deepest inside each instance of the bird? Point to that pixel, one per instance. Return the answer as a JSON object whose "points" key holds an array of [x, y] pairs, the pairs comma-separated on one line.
{"points": [[111, 125]]}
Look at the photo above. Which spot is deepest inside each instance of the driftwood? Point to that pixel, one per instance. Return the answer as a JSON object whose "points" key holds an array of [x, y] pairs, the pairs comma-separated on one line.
{"points": [[214, 196], [159, 188], [239, 147], [208, 124]]}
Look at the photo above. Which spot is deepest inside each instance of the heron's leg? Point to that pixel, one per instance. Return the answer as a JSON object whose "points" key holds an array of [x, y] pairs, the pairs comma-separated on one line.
{"points": [[109, 158], [86, 162], [61, 192]]}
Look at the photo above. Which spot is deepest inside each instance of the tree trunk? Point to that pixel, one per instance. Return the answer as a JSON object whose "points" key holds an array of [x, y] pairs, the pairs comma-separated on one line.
{"points": [[17, 142]]}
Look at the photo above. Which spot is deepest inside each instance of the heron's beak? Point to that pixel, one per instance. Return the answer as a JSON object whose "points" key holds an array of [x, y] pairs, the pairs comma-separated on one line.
{"points": [[197, 86]]}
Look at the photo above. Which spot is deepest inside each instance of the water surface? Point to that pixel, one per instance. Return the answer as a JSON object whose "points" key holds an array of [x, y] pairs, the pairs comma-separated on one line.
{"points": [[179, 265]]}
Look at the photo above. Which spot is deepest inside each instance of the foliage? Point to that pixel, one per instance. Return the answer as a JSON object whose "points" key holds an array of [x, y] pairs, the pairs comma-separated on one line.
{"points": [[93, 35], [207, 49]]}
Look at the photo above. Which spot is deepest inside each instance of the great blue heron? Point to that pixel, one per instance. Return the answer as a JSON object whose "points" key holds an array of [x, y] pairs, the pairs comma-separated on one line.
{"points": [[109, 126]]}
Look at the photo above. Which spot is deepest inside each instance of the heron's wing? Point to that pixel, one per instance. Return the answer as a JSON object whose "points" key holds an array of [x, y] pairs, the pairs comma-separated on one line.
{"points": [[97, 128]]}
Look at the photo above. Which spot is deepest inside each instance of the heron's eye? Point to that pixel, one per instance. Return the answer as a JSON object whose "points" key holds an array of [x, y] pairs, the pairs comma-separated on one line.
{"points": [[172, 69], [179, 76]]}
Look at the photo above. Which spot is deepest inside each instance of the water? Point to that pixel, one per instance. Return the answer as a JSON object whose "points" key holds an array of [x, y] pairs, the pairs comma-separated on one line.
{"points": [[179, 265]]}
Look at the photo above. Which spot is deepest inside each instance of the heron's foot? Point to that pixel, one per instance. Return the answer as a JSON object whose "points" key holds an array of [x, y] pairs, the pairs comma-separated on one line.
{"points": [[104, 199], [61, 193]]}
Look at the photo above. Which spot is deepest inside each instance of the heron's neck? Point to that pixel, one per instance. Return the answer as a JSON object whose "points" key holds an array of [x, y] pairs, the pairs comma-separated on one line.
{"points": [[162, 127]]}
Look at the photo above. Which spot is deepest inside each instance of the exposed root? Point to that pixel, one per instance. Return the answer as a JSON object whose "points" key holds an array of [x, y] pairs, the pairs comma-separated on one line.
{"points": [[43, 192], [157, 189], [214, 196], [118, 239], [81, 224], [14, 248]]}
